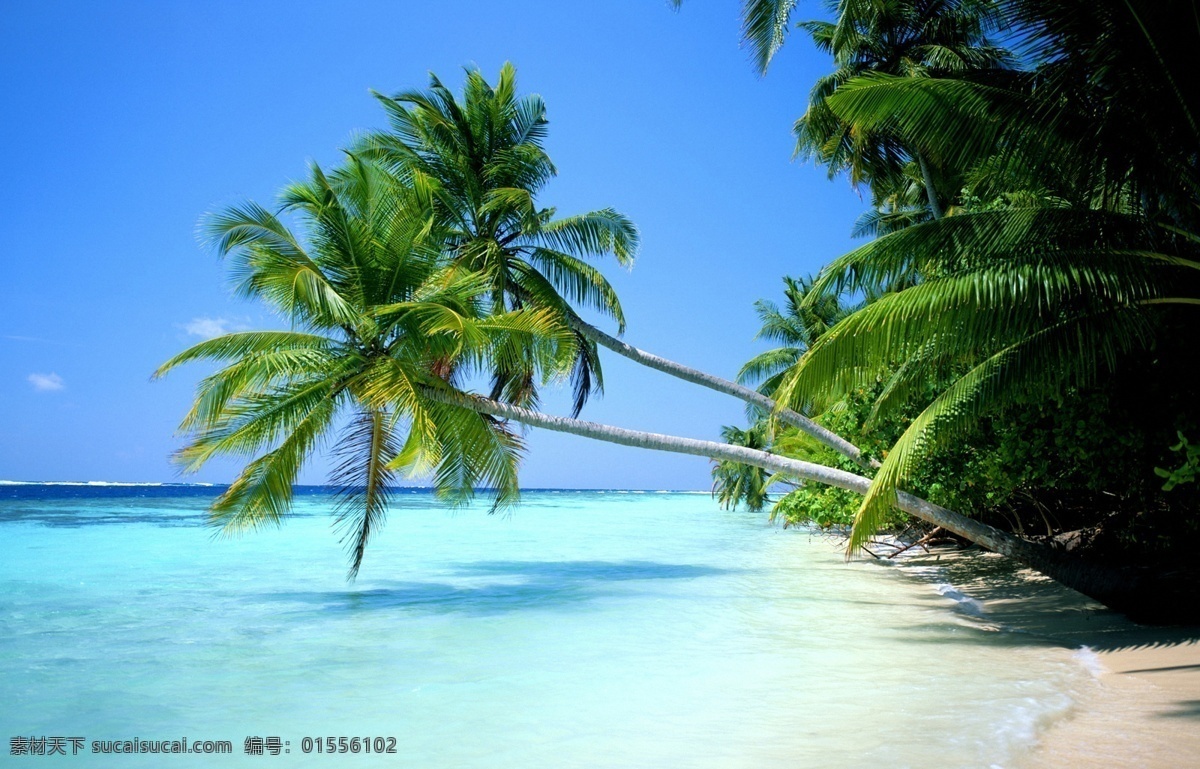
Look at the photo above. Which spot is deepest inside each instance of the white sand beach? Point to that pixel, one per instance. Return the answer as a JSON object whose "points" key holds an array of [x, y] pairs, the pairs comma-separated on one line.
{"points": [[1145, 708], [1145, 714]]}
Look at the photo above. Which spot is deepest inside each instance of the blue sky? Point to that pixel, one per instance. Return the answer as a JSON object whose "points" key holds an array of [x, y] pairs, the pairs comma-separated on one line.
{"points": [[124, 122]]}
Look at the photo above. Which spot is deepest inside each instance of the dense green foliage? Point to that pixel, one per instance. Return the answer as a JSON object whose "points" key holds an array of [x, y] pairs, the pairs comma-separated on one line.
{"points": [[1061, 283], [906, 39], [1024, 359], [1083, 462], [1185, 473]]}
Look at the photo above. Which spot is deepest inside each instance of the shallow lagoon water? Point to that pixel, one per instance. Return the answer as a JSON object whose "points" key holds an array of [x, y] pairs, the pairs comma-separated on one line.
{"points": [[583, 629]]}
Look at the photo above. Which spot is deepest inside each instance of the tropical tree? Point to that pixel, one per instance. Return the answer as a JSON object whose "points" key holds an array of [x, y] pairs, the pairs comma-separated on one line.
{"points": [[736, 483], [796, 327], [481, 159], [372, 308], [383, 337], [394, 303], [927, 38], [1033, 293], [388, 327]]}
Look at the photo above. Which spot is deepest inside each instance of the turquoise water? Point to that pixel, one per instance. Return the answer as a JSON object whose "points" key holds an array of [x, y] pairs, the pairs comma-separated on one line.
{"points": [[583, 630]]}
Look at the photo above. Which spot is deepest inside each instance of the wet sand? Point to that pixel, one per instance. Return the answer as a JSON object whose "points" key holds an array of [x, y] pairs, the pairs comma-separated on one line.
{"points": [[1144, 710], [1145, 714]]}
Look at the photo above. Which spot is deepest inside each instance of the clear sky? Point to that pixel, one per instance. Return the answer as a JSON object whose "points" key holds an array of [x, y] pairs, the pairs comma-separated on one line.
{"points": [[124, 122]]}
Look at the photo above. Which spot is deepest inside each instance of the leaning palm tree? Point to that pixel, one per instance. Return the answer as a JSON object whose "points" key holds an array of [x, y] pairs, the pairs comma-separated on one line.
{"points": [[483, 160], [385, 334], [371, 306]]}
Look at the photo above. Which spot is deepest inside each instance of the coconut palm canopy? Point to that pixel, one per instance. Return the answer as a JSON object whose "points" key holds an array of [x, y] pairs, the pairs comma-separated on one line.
{"points": [[482, 160], [796, 327], [422, 262], [736, 483], [379, 318], [928, 38], [902, 38]]}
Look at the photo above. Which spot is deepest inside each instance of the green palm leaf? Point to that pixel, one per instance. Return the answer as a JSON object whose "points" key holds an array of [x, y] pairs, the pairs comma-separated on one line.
{"points": [[1033, 364], [481, 155], [387, 312]]}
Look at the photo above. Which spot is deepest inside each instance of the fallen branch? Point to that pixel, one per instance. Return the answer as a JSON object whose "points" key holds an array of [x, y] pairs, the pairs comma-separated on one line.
{"points": [[919, 543]]}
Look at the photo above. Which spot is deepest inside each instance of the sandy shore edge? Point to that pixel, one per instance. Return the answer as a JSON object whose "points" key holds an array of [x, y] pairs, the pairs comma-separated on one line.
{"points": [[1145, 713], [1144, 707]]}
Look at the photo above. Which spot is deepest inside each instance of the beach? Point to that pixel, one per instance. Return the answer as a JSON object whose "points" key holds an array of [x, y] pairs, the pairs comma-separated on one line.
{"points": [[1146, 713], [1144, 707]]}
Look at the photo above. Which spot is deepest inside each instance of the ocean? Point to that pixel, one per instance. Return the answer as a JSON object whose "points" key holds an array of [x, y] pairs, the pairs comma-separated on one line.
{"points": [[582, 629]]}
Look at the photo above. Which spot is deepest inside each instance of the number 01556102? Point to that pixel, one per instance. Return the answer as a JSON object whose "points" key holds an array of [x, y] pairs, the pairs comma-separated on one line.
{"points": [[348, 745]]}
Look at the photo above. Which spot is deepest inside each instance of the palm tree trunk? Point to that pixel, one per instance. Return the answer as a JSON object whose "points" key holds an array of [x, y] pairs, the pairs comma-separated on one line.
{"points": [[988, 536], [686, 373], [1138, 594], [930, 192]]}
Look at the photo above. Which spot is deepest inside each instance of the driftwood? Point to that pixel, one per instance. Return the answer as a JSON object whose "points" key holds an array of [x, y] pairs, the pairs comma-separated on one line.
{"points": [[922, 542]]}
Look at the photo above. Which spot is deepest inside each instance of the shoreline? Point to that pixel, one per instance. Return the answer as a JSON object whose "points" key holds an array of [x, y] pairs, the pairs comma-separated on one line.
{"points": [[1144, 713], [1144, 707]]}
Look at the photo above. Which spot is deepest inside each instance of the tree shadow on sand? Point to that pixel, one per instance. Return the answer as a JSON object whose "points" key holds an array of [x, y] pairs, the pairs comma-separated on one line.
{"points": [[997, 594]]}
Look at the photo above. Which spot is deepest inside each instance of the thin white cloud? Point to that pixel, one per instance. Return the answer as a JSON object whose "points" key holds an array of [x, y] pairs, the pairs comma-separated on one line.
{"points": [[47, 383], [207, 328]]}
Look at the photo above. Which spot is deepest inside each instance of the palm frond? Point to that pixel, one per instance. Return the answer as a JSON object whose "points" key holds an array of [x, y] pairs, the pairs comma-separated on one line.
{"points": [[764, 28], [252, 421], [241, 344], [596, 233], [580, 281], [1091, 343], [262, 493], [363, 479]]}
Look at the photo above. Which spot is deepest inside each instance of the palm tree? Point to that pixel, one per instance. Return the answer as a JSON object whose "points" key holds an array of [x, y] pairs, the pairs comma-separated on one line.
{"points": [[483, 160], [737, 483], [372, 307], [1050, 291], [384, 334], [797, 327], [392, 292], [927, 38]]}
